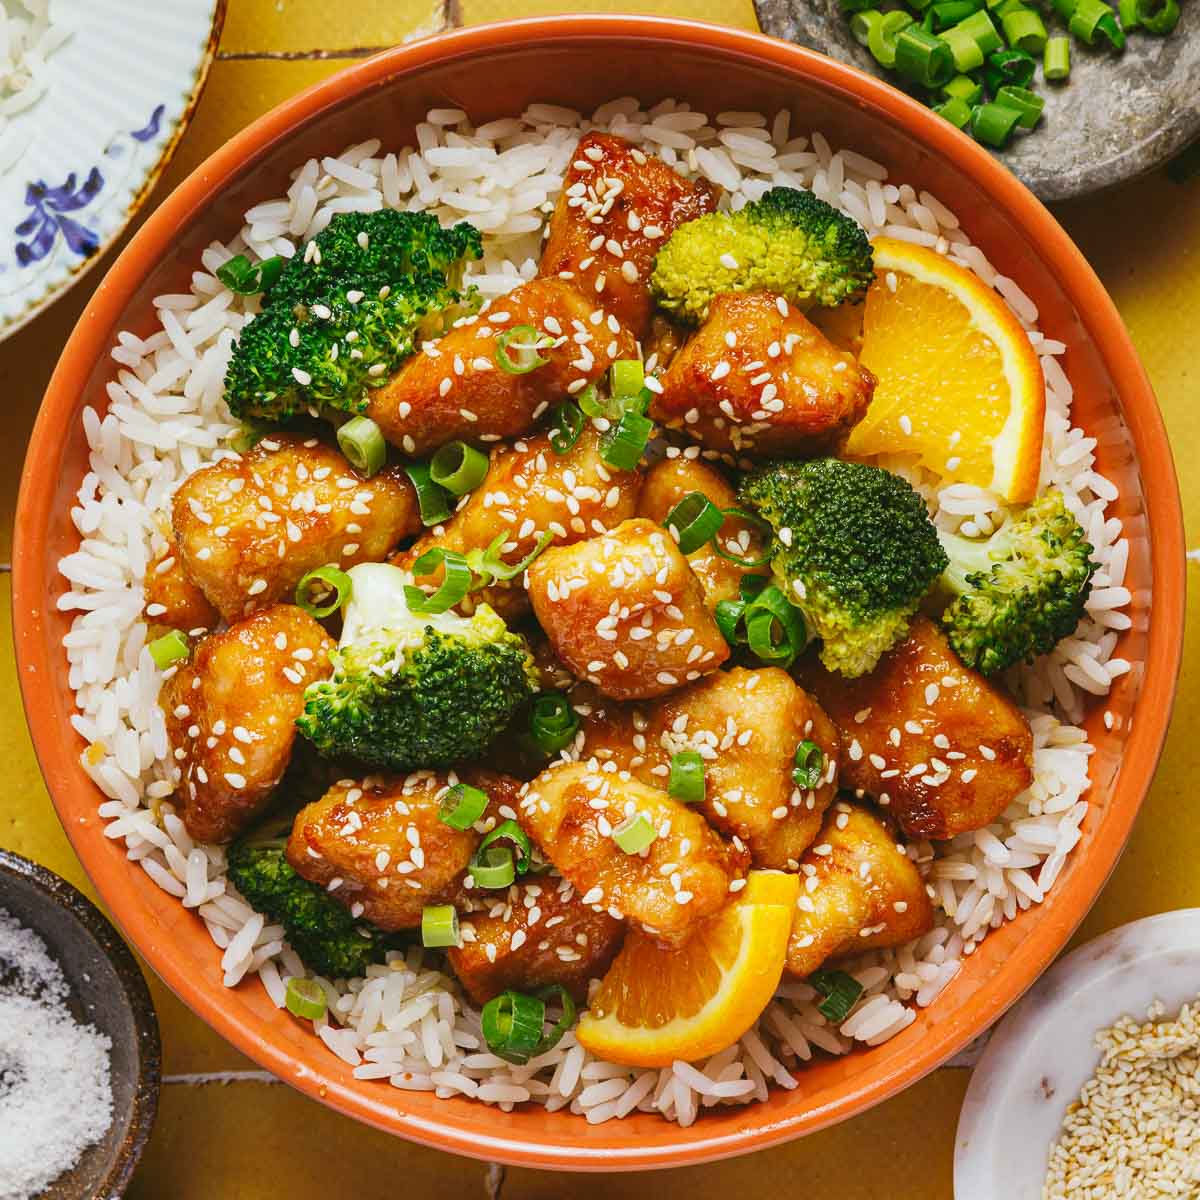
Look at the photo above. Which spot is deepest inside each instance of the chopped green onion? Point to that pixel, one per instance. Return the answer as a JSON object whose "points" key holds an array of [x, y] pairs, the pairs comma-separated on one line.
{"points": [[864, 26], [510, 831], [686, 781], [489, 566], [883, 36], [305, 998], [1025, 29], [1028, 104], [1085, 19], [241, 276], [170, 648], [979, 25], [363, 445], [525, 342], [730, 614], [745, 560], [1056, 61], [1008, 66], [332, 582], [1064, 8], [439, 925], [635, 833], [458, 468], [810, 765], [551, 1039], [1158, 16], [622, 446], [565, 427], [693, 521], [512, 1025], [553, 723], [456, 581], [493, 868], [993, 123], [626, 377], [956, 111], [966, 51], [923, 57], [434, 501], [774, 627], [964, 88], [462, 806], [1127, 10], [841, 992], [591, 404], [950, 12]]}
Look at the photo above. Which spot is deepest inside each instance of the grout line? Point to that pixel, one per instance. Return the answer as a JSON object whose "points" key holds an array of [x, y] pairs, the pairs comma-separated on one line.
{"points": [[299, 55], [199, 1078]]}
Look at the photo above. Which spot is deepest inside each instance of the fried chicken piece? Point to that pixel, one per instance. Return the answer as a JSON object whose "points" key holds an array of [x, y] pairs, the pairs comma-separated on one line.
{"points": [[381, 836], [934, 742], [455, 388], [667, 482], [571, 810], [530, 490], [759, 378], [172, 600], [248, 530], [231, 715], [745, 725], [625, 612], [633, 202], [859, 892], [536, 934]]}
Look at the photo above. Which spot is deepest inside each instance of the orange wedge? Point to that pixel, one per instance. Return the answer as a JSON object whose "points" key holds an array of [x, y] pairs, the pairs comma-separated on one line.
{"points": [[657, 1005], [960, 385]]}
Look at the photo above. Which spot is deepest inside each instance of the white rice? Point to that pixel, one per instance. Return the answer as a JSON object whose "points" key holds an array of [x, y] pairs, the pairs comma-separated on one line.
{"points": [[30, 32], [406, 1021]]}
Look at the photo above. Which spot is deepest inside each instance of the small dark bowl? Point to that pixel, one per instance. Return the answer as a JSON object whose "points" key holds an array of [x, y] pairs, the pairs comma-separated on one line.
{"points": [[108, 992]]}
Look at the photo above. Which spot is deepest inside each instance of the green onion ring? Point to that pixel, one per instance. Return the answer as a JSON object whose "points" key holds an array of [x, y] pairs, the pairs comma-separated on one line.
{"points": [[462, 806], [489, 566], [512, 1025], [510, 831], [170, 648], [362, 443], [335, 580], [493, 869], [841, 992], [694, 521], [635, 833], [456, 581], [551, 1039], [565, 427], [774, 628], [751, 519], [686, 781], [810, 765], [439, 926], [458, 467], [433, 500], [553, 723], [623, 446], [529, 358], [305, 998]]}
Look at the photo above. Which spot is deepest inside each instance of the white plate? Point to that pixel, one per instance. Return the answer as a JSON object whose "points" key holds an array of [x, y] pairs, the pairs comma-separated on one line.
{"points": [[1043, 1052], [119, 95]]}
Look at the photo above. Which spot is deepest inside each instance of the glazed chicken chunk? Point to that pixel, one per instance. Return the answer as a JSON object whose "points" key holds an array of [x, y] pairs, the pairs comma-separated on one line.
{"points": [[617, 207], [248, 529], [231, 715], [625, 612], [172, 600], [759, 378], [572, 811], [532, 936], [382, 839], [746, 726], [456, 386], [667, 483], [859, 892], [936, 744], [530, 491]]}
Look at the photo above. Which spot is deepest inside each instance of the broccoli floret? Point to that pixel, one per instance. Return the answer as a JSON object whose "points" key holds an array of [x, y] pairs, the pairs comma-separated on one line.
{"points": [[788, 242], [414, 689], [344, 315], [324, 934], [1020, 591], [854, 550]]}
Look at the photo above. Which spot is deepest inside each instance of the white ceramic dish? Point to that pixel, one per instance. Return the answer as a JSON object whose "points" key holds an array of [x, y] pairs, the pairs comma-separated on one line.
{"points": [[120, 93], [1043, 1052]]}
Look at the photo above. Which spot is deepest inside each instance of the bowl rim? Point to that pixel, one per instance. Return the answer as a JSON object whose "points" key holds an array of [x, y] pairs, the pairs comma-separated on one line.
{"points": [[154, 173], [136, 995], [89, 343]]}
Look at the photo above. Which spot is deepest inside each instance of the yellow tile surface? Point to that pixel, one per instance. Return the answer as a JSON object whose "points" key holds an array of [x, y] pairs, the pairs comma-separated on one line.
{"points": [[253, 1141]]}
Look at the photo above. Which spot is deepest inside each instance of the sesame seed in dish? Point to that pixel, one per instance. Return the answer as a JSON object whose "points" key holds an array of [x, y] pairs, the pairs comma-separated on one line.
{"points": [[663, 795]]}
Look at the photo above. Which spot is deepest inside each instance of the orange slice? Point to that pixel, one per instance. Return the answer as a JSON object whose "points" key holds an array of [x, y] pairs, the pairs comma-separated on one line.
{"points": [[960, 385], [657, 1005]]}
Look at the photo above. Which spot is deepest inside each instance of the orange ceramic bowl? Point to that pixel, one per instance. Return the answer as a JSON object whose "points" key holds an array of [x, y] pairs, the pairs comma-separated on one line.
{"points": [[580, 61]]}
